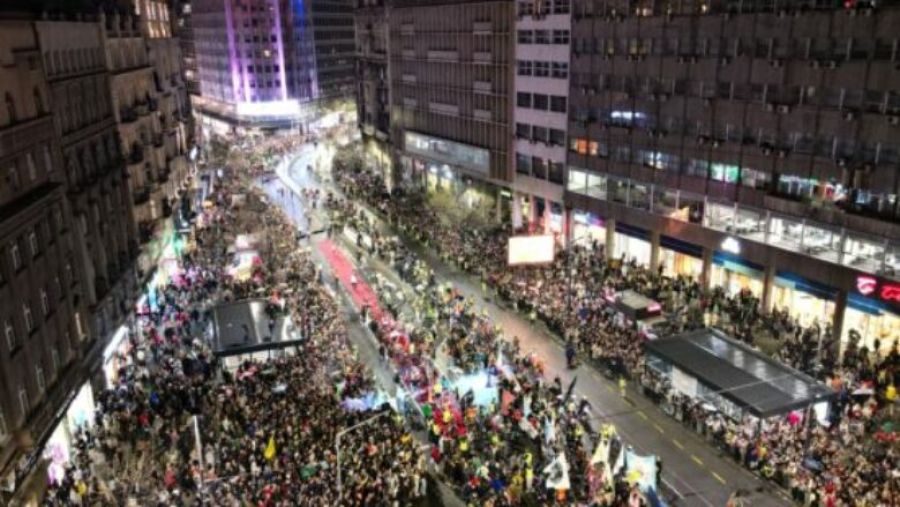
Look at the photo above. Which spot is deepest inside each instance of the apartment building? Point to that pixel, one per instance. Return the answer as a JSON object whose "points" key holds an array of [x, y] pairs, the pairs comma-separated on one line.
{"points": [[750, 144], [43, 298], [184, 31], [451, 72], [541, 88], [150, 105], [373, 104]]}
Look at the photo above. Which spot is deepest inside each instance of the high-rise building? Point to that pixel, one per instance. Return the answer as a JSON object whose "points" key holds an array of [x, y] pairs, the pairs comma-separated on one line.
{"points": [[259, 60], [42, 296], [750, 144], [184, 31], [450, 74], [541, 89], [373, 104]]}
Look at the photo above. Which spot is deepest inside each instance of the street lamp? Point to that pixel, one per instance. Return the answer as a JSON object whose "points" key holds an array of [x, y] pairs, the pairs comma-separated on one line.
{"points": [[337, 446]]}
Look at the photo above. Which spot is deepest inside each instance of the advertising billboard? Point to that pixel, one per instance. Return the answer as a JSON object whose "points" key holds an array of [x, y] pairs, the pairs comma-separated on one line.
{"points": [[525, 250]]}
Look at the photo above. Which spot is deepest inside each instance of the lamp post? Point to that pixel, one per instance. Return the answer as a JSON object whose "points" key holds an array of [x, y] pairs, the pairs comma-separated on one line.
{"points": [[337, 446]]}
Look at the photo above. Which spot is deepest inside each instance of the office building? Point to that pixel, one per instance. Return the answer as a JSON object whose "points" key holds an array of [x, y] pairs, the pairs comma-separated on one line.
{"points": [[373, 105], [450, 74], [269, 62], [752, 145]]}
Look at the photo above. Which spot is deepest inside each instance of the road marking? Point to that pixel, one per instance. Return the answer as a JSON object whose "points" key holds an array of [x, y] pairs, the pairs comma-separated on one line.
{"points": [[658, 428], [696, 459], [718, 478], [643, 415], [677, 444]]}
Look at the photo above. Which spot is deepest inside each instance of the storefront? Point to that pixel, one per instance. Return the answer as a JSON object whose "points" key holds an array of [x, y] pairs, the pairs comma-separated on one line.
{"points": [[115, 355], [735, 274], [872, 316], [632, 243], [804, 300], [587, 229], [58, 449], [679, 258]]}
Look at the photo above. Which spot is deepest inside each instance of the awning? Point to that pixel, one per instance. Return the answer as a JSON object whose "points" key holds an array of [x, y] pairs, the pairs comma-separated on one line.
{"points": [[759, 384]]}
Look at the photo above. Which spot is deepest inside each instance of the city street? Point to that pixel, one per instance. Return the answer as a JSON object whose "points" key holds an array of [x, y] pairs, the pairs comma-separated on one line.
{"points": [[696, 473]]}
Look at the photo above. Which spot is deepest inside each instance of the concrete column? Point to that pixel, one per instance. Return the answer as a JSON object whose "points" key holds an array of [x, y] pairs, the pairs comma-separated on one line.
{"points": [[706, 274], [768, 287], [567, 227], [654, 250], [837, 325], [499, 204], [610, 238], [517, 210], [532, 210]]}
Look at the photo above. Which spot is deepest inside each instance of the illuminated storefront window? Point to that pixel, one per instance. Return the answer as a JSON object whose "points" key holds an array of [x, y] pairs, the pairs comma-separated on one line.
{"points": [[587, 229], [806, 301], [679, 258], [631, 243], [735, 275], [870, 323]]}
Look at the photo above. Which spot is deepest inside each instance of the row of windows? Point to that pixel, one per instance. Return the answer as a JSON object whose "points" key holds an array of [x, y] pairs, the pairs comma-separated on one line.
{"points": [[14, 176], [13, 339], [821, 144], [542, 37], [541, 102], [540, 168], [531, 7], [807, 48], [541, 134], [538, 68]]}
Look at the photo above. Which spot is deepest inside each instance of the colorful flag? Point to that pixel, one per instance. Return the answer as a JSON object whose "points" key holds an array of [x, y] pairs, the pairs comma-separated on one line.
{"points": [[270, 451]]}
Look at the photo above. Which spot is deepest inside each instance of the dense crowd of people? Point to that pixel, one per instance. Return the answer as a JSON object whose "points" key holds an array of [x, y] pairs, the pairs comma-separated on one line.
{"points": [[266, 429], [851, 459]]}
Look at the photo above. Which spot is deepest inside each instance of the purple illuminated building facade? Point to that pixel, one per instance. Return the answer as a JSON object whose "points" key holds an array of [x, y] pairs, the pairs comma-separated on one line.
{"points": [[257, 60]]}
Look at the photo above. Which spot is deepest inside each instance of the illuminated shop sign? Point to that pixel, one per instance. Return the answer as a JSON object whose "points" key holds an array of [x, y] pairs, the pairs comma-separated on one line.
{"points": [[872, 287]]}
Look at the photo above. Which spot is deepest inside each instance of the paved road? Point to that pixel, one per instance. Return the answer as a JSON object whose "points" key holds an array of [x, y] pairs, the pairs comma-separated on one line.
{"points": [[695, 471], [286, 197]]}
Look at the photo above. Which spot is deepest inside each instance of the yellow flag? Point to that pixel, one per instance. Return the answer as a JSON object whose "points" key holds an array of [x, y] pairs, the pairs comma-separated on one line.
{"points": [[269, 453]]}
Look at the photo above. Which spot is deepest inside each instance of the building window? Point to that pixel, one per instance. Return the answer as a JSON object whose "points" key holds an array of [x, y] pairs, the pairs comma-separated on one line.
{"points": [[15, 256], [523, 99], [525, 67], [541, 37], [13, 177], [558, 104], [541, 69], [523, 130], [48, 160], [12, 341], [26, 315], [38, 102], [45, 302], [540, 101], [34, 244], [39, 376], [525, 37], [560, 36], [58, 287], [561, 7], [54, 359], [24, 404], [11, 109], [560, 70], [79, 327], [4, 430]]}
